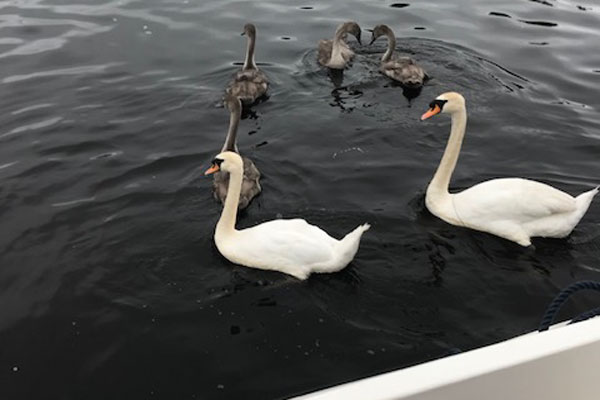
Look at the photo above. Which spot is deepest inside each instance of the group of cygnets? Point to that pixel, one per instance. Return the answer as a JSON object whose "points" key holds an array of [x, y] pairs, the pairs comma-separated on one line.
{"points": [[512, 208]]}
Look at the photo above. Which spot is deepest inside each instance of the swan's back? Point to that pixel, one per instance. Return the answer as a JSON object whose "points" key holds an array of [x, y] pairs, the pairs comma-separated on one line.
{"points": [[518, 209], [513, 199], [248, 85], [292, 246], [405, 71]]}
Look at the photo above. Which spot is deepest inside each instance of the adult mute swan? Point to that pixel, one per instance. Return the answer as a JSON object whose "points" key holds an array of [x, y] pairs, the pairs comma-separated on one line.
{"points": [[512, 208], [335, 54], [250, 183], [401, 69], [291, 246], [250, 83]]}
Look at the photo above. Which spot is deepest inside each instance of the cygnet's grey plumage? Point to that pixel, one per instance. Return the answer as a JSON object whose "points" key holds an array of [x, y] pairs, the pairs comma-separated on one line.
{"points": [[401, 69], [249, 83], [335, 53], [250, 184]]}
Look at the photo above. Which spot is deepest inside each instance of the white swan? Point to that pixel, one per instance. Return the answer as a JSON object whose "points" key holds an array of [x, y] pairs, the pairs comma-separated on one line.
{"points": [[512, 208], [291, 246], [336, 53]]}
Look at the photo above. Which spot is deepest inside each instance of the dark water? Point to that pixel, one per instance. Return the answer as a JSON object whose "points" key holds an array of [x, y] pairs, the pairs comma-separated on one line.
{"points": [[110, 285]]}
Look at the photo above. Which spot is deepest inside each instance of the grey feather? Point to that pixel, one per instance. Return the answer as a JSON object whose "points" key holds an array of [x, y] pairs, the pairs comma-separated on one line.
{"points": [[250, 183], [401, 69], [250, 83]]}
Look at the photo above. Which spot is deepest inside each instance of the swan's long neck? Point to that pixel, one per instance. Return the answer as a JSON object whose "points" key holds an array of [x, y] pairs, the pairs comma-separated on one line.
{"points": [[441, 179], [391, 46], [231, 139], [249, 62], [226, 224]]}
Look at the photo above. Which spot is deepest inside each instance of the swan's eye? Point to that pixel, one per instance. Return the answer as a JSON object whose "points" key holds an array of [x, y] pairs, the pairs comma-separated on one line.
{"points": [[438, 102], [217, 162]]}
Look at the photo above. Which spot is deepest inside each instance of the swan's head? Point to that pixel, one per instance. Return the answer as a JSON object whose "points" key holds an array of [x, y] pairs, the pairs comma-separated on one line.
{"points": [[352, 28], [227, 161], [447, 103], [249, 30], [378, 31]]}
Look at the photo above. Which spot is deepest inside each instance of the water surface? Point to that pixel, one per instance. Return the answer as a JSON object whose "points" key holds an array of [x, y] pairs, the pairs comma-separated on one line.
{"points": [[110, 284]]}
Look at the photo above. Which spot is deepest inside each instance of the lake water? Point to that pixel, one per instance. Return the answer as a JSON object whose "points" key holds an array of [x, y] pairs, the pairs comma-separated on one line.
{"points": [[110, 284]]}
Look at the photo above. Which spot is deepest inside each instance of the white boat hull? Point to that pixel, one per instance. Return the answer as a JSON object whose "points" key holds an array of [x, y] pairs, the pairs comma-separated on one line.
{"points": [[562, 363]]}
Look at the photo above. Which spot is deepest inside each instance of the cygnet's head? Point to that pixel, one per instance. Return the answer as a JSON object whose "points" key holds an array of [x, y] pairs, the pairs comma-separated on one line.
{"points": [[250, 30], [352, 28], [227, 161], [447, 103], [378, 31]]}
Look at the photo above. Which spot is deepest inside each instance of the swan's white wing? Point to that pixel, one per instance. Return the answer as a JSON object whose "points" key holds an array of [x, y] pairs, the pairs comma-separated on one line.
{"points": [[512, 199], [285, 243]]}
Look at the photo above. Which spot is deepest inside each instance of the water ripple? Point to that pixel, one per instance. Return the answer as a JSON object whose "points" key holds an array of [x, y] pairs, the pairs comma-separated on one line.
{"points": [[82, 70], [32, 126], [106, 130]]}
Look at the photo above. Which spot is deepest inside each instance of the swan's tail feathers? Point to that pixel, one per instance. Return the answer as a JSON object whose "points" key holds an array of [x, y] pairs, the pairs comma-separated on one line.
{"points": [[348, 246], [583, 202], [584, 199], [356, 233]]}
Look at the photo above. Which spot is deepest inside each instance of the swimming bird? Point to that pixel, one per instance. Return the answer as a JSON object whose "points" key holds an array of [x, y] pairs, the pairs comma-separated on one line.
{"points": [[513, 208], [250, 182], [336, 53], [291, 246], [401, 69], [250, 83]]}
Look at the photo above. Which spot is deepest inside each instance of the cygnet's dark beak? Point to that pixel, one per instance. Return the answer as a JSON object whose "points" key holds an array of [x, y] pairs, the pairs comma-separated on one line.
{"points": [[243, 34], [358, 38], [372, 36]]}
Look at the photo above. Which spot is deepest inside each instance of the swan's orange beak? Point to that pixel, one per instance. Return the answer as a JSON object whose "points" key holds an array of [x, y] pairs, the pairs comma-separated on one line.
{"points": [[213, 168], [431, 112]]}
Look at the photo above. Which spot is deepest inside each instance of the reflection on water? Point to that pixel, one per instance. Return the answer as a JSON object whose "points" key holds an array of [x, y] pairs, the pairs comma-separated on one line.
{"points": [[112, 110]]}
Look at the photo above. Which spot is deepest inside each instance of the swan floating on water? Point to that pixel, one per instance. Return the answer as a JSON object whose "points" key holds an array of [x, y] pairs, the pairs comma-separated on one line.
{"points": [[250, 83], [291, 246], [335, 53], [513, 208], [401, 69]]}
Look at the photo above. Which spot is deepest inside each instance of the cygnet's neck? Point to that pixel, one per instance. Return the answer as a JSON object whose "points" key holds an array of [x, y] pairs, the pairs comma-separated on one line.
{"points": [[231, 139], [391, 46], [249, 62]]}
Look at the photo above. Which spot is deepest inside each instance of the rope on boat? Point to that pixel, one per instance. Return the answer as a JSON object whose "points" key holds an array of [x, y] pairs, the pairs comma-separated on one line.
{"points": [[586, 315], [562, 297]]}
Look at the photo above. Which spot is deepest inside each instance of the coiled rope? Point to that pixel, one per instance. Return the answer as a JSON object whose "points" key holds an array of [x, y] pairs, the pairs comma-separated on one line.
{"points": [[562, 297]]}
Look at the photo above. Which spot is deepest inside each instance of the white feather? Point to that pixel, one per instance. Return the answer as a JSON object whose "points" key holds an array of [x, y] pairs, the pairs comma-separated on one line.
{"points": [[513, 208], [292, 246]]}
